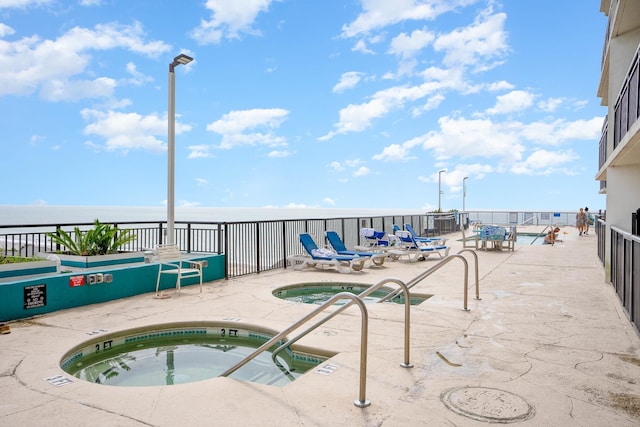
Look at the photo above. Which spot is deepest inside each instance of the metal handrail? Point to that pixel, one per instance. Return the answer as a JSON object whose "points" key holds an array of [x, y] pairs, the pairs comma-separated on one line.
{"points": [[541, 233], [439, 265], [361, 295], [362, 401], [531, 221]]}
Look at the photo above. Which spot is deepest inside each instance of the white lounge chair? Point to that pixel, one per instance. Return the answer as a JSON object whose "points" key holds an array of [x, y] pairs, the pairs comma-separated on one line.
{"points": [[414, 250]]}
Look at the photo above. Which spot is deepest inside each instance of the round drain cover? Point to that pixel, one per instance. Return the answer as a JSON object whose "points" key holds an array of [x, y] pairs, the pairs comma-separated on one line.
{"points": [[487, 404]]}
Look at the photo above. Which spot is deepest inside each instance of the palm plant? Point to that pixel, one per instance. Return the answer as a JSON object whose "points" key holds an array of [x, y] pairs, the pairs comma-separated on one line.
{"points": [[102, 239]]}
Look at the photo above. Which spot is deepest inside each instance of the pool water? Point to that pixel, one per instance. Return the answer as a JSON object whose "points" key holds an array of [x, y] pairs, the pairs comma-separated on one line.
{"points": [[529, 239], [318, 293], [179, 356]]}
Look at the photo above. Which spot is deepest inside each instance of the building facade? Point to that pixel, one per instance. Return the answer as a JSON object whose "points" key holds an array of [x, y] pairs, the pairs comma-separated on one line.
{"points": [[619, 90]]}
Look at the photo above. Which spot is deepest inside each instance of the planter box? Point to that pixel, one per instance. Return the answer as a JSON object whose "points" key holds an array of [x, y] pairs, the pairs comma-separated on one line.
{"points": [[100, 260], [22, 270]]}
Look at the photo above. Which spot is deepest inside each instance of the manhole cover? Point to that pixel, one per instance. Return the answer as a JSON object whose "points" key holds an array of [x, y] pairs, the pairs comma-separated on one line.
{"points": [[487, 404]]}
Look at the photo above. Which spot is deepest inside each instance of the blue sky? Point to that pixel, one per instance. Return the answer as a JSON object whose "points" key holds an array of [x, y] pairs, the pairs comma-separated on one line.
{"points": [[302, 103]]}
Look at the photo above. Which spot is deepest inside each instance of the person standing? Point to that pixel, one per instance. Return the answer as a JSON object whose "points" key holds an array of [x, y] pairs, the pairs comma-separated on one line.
{"points": [[588, 221], [581, 219]]}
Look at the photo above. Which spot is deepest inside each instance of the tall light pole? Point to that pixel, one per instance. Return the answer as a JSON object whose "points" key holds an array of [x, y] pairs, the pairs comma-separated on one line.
{"points": [[171, 142], [439, 188], [464, 191]]}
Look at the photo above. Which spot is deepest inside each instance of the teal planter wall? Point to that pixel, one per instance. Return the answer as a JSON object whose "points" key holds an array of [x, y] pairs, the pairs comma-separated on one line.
{"points": [[20, 299]]}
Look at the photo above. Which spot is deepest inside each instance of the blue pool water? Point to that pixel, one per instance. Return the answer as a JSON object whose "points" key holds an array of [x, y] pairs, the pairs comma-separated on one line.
{"points": [[179, 355], [318, 293]]}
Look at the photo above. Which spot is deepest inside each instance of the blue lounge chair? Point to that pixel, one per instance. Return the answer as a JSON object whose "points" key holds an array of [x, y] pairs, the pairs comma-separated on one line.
{"points": [[339, 246], [415, 250], [320, 257], [417, 238]]}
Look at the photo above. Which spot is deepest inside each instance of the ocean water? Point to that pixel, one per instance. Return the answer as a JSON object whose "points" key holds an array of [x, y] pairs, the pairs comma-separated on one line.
{"points": [[43, 214]]}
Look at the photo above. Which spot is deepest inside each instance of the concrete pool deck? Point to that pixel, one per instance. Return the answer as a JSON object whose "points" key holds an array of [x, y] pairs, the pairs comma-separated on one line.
{"points": [[547, 344]]}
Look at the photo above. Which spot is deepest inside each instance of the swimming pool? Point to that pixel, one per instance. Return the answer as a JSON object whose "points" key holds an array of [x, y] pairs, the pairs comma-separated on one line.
{"points": [[319, 292], [169, 354], [529, 239]]}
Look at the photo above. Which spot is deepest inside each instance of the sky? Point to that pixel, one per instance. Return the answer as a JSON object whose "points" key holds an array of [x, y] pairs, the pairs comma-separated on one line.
{"points": [[303, 103]]}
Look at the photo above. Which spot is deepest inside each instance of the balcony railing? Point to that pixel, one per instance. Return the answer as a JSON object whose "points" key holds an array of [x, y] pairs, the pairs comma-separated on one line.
{"points": [[625, 272], [626, 108], [602, 158]]}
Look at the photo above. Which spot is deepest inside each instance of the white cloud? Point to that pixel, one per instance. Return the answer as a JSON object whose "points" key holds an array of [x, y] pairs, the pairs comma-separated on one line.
{"points": [[550, 104], [127, 131], [513, 101], [328, 201], [234, 125], [279, 154], [378, 14], [353, 163], [543, 162], [348, 80], [57, 67], [229, 19], [394, 153], [476, 44], [362, 171], [200, 152], [336, 166], [407, 46], [358, 117], [361, 46], [463, 138], [560, 131], [499, 86], [201, 181], [19, 4], [6, 30], [137, 78]]}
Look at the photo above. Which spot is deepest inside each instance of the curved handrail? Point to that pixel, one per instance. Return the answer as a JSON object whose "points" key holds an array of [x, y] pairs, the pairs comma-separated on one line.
{"points": [[366, 292], [431, 270], [361, 402], [475, 256]]}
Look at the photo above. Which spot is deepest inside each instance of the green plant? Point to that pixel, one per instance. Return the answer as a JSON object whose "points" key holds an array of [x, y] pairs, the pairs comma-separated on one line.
{"points": [[102, 239], [16, 259]]}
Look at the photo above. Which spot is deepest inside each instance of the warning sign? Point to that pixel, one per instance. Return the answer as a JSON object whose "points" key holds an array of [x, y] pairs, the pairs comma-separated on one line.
{"points": [[76, 281], [35, 296]]}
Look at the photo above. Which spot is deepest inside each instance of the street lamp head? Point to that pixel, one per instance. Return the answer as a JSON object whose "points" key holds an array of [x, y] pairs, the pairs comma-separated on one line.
{"points": [[180, 59], [442, 170]]}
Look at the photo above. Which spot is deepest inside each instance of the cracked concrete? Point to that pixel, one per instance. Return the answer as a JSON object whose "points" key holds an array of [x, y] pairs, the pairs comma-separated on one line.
{"points": [[547, 334]]}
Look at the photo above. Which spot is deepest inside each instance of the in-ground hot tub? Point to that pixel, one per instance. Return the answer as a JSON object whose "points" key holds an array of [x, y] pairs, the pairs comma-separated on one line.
{"points": [[319, 292], [179, 353]]}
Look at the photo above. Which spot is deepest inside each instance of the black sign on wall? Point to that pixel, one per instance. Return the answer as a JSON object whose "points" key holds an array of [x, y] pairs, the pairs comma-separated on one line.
{"points": [[35, 296]]}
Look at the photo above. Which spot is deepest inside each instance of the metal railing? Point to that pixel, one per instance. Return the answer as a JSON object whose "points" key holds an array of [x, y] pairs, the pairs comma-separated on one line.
{"points": [[560, 218], [362, 295], [250, 247], [362, 401], [625, 272], [436, 267]]}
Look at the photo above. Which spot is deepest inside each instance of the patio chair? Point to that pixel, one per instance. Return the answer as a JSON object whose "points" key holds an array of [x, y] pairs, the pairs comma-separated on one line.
{"points": [[322, 256], [171, 262], [375, 241], [415, 250], [417, 238], [339, 246]]}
